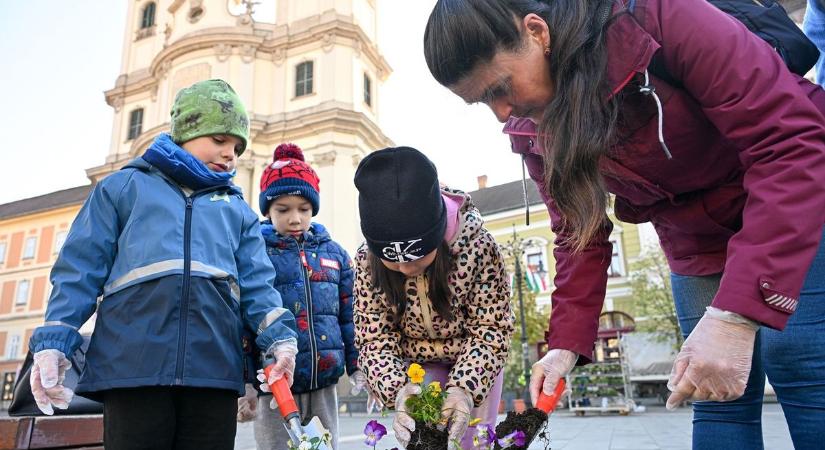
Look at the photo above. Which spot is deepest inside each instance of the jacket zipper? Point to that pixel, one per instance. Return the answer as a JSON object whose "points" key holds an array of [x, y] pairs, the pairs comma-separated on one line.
{"points": [[313, 346], [184, 309], [187, 273], [426, 305]]}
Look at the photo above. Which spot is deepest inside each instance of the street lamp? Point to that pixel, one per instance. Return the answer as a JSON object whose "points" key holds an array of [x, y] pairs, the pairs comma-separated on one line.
{"points": [[514, 249]]}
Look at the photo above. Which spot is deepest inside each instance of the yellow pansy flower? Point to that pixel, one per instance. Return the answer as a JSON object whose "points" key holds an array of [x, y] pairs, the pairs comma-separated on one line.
{"points": [[416, 373], [435, 386]]}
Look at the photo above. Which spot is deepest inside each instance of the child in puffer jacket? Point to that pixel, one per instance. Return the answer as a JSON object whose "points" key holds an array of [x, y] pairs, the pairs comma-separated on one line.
{"points": [[314, 276]]}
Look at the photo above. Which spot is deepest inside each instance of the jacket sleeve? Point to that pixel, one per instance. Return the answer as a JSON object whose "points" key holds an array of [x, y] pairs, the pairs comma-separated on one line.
{"points": [[489, 325], [774, 118], [580, 281], [345, 312], [82, 268], [376, 336], [261, 305]]}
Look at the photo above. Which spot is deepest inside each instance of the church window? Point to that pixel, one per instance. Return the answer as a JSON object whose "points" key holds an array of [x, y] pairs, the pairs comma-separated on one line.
{"points": [[303, 79], [135, 123], [148, 19]]}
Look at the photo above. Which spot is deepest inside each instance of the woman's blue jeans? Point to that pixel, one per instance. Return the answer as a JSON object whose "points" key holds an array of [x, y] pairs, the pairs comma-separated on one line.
{"points": [[793, 360]]}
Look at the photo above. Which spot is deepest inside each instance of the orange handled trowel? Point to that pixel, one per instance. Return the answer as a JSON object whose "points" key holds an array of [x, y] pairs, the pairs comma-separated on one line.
{"points": [[547, 403], [292, 418]]}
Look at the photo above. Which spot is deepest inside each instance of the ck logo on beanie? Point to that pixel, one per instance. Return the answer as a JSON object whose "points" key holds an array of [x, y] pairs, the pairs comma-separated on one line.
{"points": [[404, 251]]}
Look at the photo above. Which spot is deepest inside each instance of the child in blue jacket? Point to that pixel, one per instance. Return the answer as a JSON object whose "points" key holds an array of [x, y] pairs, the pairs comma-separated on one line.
{"points": [[315, 277], [177, 259]]}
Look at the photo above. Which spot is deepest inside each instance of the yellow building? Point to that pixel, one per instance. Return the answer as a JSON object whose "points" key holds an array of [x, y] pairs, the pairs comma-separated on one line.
{"points": [[503, 210], [31, 234]]}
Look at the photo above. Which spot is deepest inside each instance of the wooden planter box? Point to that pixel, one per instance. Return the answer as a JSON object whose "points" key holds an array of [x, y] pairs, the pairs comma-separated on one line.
{"points": [[65, 432]]}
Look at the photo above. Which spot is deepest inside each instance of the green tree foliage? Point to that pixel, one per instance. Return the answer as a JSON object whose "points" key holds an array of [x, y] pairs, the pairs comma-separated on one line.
{"points": [[536, 320], [653, 298]]}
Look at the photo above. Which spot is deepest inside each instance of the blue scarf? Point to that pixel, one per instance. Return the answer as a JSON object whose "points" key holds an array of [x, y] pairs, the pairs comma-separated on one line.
{"points": [[179, 165]]}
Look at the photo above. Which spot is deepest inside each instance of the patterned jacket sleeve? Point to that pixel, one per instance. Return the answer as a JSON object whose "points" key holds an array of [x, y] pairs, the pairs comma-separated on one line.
{"points": [[489, 324], [345, 312], [376, 336]]}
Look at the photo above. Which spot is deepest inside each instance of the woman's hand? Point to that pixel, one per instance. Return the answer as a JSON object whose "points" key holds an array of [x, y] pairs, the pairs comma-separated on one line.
{"points": [[403, 424], [715, 360], [547, 371], [456, 411]]}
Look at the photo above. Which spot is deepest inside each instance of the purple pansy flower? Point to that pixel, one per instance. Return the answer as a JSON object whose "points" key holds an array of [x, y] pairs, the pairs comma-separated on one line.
{"points": [[374, 431], [515, 438], [485, 435]]}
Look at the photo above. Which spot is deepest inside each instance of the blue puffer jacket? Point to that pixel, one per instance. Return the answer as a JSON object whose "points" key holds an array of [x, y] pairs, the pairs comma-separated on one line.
{"points": [[325, 330], [180, 278]]}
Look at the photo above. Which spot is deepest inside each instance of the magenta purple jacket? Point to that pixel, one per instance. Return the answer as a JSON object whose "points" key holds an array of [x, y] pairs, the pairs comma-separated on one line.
{"points": [[744, 192]]}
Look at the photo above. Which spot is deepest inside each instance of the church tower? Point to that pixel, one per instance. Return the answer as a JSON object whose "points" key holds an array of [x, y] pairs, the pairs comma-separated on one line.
{"points": [[309, 72]]}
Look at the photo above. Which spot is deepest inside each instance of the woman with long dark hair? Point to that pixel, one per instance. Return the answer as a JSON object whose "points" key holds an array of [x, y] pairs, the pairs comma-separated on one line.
{"points": [[722, 148], [431, 289]]}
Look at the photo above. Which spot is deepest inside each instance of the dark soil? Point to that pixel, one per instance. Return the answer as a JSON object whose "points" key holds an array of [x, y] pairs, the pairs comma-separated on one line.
{"points": [[532, 422], [425, 437]]}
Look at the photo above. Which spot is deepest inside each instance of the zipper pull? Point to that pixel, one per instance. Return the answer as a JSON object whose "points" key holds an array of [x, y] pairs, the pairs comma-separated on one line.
{"points": [[304, 261], [188, 202]]}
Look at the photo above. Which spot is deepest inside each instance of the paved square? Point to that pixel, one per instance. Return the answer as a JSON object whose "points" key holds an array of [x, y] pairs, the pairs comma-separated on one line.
{"points": [[656, 429]]}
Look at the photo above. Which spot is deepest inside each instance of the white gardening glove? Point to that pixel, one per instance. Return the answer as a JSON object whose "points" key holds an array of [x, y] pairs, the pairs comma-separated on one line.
{"points": [[47, 374], [284, 366], [715, 359], [547, 371], [403, 424], [373, 403], [358, 381], [456, 410], [248, 404]]}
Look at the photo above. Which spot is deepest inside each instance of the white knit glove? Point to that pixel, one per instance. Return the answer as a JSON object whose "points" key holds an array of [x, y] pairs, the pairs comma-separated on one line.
{"points": [[715, 360], [547, 371], [47, 374]]}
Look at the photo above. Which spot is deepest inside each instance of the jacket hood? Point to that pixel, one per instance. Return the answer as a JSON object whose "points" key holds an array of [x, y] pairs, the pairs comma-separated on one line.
{"points": [[470, 222]]}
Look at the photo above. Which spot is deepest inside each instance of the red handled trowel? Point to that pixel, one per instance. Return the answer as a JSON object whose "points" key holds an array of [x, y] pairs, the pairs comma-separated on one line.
{"points": [[292, 417]]}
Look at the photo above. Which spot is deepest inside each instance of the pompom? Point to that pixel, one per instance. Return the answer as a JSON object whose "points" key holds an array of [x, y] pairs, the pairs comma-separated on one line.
{"points": [[288, 151]]}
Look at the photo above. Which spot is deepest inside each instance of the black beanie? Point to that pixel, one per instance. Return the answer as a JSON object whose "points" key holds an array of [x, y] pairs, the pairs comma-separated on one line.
{"points": [[403, 216]]}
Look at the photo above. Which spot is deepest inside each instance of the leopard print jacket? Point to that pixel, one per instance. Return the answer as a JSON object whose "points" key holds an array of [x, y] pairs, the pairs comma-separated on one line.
{"points": [[476, 341]]}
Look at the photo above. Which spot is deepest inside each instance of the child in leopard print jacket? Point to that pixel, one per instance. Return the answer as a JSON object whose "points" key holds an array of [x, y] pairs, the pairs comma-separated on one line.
{"points": [[430, 288]]}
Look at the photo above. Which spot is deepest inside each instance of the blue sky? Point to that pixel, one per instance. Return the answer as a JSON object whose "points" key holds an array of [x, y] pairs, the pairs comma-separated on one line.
{"points": [[59, 56]]}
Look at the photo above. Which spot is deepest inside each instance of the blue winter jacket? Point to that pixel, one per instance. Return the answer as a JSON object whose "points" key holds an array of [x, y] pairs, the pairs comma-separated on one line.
{"points": [[174, 280], [317, 289]]}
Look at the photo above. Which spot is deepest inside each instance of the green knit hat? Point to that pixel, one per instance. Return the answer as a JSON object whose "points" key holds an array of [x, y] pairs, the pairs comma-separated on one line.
{"points": [[206, 108]]}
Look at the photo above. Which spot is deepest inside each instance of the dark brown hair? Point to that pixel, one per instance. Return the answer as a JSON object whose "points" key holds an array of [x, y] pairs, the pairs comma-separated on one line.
{"points": [[393, 284], [578, 124]]}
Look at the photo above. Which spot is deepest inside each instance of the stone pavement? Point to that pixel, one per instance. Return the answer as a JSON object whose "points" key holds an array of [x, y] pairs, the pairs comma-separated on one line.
{"points": [[652, 430]]}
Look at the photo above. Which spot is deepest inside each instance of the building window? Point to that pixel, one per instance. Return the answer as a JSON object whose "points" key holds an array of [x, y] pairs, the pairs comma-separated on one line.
{"points": [[367, 90], [8, 386], [13, 347], [148, 19], [59, 240], [303, 79], [616, 268], [135, 123], [30, 247], [22, 293], [2, 252]]}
